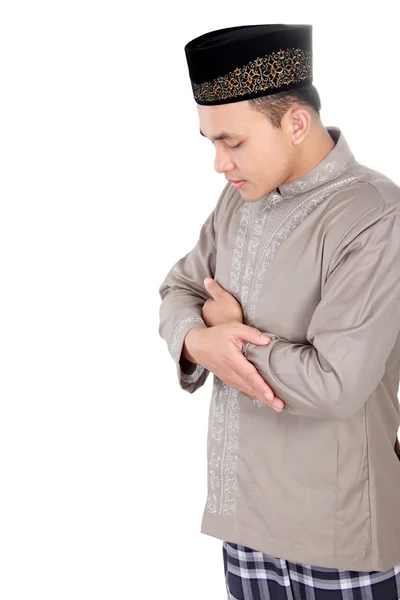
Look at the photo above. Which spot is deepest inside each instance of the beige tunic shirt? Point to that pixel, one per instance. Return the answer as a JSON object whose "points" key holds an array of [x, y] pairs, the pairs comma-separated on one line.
{"points": [[315, 264]]}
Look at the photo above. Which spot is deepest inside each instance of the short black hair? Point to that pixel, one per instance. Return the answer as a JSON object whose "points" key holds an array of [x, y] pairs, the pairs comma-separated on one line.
{"points": [[275, 106]]}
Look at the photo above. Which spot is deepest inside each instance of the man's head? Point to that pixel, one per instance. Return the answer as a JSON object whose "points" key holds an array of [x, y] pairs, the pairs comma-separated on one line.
{"points": [[276, 139]]}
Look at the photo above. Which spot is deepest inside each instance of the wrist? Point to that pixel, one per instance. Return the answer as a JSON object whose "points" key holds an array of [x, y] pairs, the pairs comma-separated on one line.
{"points": [[190, 343]]}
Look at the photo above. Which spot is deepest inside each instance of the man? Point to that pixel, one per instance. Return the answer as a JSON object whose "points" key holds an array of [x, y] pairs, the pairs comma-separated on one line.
{"points": [[305, 250]]}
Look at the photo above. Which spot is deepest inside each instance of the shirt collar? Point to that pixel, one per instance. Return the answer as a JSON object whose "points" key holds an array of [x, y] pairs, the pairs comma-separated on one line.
{"points": [[324, 171]]}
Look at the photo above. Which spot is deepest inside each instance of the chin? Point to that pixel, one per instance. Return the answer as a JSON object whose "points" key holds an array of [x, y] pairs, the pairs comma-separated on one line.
{"points": [[248, 197]]}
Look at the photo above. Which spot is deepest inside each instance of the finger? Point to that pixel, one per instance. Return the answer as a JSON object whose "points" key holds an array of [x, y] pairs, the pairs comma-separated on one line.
{"points": [[268, 399], [252, 334], [213, 287], [253, 384]]}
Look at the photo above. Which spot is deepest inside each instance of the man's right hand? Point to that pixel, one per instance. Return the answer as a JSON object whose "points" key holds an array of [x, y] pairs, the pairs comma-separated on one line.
{"points": [[219, 349]]}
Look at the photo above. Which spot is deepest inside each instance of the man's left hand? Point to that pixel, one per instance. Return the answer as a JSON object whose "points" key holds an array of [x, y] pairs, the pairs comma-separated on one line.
{"points": [[222, 308]]}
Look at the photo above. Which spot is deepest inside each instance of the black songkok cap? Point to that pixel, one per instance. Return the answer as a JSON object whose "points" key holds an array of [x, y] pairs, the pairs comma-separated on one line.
{"points": [[248, 61]]}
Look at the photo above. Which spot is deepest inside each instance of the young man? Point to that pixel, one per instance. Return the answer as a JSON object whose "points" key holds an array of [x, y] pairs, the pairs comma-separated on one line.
{"points": [[305, 249]]}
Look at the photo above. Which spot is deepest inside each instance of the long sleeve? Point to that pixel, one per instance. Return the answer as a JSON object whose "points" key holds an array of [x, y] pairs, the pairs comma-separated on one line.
{"points": [[351, 333], [183, 294]]}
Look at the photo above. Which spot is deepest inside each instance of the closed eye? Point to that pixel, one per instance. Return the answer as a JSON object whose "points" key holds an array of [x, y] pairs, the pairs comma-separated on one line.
{"points": [[232, 147]]}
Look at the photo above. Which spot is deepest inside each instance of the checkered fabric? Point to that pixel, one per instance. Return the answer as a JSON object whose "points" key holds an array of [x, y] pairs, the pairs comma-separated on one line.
{"points": [[254, 575]]}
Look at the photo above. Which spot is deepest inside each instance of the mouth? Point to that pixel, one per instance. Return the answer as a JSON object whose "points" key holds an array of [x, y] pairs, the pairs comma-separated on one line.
{"points": [[238, 183]]}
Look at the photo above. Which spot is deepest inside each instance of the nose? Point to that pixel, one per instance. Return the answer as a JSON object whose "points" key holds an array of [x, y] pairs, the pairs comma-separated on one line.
{"points": [[222, 162]]}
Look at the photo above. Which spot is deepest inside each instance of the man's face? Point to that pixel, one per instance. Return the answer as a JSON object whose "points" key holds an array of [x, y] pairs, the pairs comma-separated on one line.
{"points": [[257, 152]]}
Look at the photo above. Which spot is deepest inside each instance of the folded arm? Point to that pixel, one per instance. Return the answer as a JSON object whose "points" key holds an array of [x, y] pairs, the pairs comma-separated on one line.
{"points": [[183, 294], [352, 331]]}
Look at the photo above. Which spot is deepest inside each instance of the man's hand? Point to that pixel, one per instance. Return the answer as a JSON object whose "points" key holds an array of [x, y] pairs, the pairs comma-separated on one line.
{"points": [[222, 308], [218, 349]]}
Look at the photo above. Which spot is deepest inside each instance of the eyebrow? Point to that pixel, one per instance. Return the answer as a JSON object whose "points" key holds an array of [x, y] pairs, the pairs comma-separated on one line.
{"points": [[223, 136]]}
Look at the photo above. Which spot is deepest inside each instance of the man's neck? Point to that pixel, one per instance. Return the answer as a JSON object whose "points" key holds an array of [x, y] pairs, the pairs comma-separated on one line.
{"points": [[317, 149]]}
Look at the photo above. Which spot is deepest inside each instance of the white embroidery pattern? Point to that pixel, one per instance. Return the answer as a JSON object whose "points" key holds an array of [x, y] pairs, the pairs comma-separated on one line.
{"points": [[331, 166], [225, 415], [224, 452], [238, 250], [318, 178], [178, 329], [216, 430]]}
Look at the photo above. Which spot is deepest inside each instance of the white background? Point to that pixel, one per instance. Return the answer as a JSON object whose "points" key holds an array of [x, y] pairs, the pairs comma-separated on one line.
{"points": [[105, 183]]}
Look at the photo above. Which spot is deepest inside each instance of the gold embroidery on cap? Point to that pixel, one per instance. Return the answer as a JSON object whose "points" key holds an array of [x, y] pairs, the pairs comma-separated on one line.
{"points": [[270, 71]]}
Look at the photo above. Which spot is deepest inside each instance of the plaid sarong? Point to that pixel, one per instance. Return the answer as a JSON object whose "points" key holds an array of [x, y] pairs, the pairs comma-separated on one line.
{"points": [[254, 575]]}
